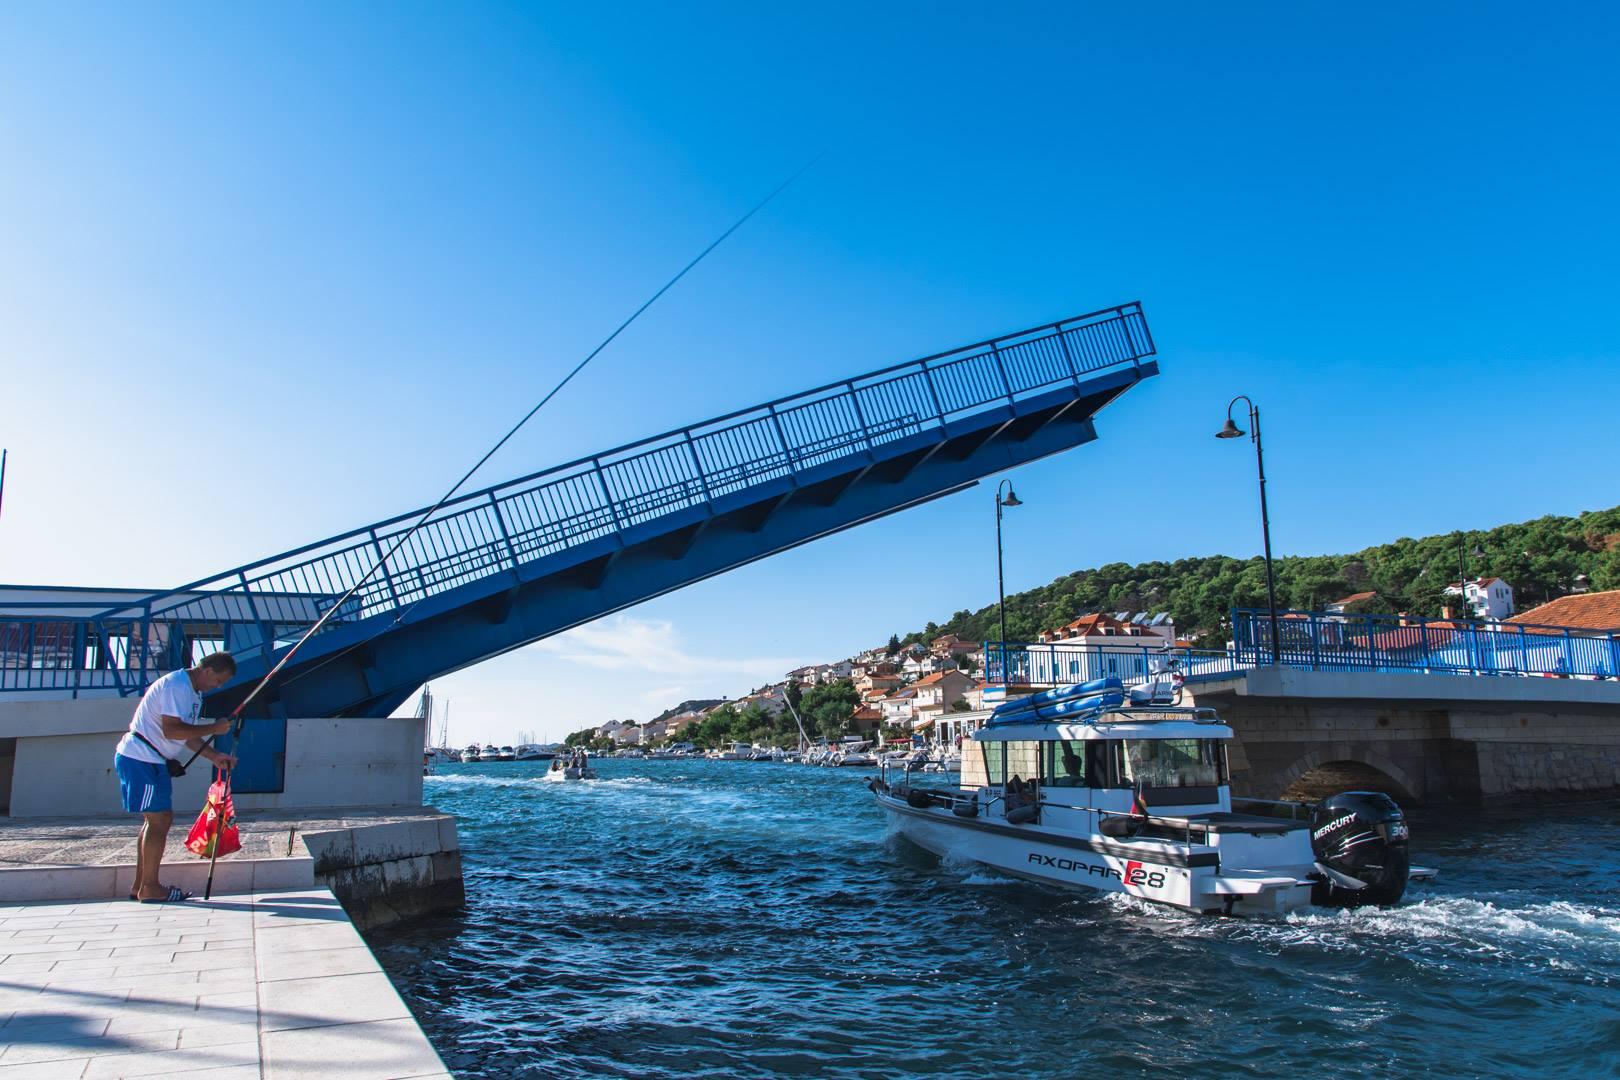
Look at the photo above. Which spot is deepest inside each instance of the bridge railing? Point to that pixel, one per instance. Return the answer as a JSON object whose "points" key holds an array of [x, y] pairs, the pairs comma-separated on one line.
{"points": [[1327, 641], [266, 604]]}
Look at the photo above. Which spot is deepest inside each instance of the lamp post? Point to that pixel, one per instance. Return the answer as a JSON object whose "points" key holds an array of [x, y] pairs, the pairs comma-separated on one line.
{"points": [[1001, 579], [1232, 431], [1462, 570]]}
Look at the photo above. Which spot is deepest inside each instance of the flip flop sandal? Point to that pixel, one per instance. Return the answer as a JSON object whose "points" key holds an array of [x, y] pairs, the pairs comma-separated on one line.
{"points": [[176, 894]]}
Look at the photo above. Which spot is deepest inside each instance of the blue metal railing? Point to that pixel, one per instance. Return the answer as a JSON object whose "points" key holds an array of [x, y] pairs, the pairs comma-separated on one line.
{"points": [[1323, 641], [266, 604]]}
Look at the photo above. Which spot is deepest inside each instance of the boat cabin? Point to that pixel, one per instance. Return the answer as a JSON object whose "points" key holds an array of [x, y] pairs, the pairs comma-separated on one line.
{"points": [[1176, 758]]}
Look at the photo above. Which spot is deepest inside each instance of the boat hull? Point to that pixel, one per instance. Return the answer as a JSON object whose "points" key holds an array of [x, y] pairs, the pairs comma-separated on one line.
{"points": [[1187, 879]]}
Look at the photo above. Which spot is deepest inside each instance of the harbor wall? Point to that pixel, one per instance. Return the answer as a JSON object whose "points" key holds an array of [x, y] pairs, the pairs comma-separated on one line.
{"points": [[389, 872]]}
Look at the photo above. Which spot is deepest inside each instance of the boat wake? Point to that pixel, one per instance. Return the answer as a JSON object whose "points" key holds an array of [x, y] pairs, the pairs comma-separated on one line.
{"points": [[1426, 929]]}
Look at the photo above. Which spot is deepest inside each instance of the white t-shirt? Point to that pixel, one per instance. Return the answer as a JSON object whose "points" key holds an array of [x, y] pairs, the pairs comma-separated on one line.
{"points": [[172, 695]]}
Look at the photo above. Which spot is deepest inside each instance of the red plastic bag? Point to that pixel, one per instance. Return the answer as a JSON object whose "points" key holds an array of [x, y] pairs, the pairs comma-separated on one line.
{"points": [[216, 823]]}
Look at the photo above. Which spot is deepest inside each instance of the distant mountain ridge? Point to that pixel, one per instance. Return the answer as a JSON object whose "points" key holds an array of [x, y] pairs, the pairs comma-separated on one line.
{"points": [[1542, 559]]}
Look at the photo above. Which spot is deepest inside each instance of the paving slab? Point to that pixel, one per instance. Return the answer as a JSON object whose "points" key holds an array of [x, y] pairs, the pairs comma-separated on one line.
{"points": [[275, 984]]}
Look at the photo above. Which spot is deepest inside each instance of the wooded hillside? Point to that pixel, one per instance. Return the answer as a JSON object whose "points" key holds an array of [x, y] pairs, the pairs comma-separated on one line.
{"points": [[1540, 559]]}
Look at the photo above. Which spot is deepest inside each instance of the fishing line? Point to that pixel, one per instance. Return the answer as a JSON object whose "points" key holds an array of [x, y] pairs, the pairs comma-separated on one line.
{"points": [[236, 714]]}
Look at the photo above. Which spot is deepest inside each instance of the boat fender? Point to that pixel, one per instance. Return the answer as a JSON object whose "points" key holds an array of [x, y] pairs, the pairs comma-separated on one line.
{"points": [[1021, 815], [920, 800], [967, 809]]}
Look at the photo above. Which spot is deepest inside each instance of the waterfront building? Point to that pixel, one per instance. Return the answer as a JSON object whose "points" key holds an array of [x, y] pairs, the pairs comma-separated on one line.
{"points": [[899, 707], [938, 693], [865, 720], [1101, 628], [607, 730]]}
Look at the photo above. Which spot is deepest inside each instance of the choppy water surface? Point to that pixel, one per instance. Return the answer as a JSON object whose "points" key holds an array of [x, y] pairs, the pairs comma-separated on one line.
{"points": [[751, 919]]}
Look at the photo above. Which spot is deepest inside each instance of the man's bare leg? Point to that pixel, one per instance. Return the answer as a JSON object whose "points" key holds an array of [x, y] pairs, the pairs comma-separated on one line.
{"points": [[140, 859], [154, 838]]}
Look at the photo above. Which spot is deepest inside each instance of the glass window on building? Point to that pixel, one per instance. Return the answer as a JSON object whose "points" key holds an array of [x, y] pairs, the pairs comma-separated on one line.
{"points": [[1169, 763]]}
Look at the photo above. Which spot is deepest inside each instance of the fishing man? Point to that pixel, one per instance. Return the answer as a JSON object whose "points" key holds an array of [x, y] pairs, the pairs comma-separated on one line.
{"points": [[166, 724]]}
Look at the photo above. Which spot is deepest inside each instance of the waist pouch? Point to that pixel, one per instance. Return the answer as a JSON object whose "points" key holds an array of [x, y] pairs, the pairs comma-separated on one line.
{"points": [[175, 768]]}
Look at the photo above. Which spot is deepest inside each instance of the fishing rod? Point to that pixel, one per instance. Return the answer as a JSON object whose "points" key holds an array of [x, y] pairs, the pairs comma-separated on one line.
{"points": [[236, 714]]}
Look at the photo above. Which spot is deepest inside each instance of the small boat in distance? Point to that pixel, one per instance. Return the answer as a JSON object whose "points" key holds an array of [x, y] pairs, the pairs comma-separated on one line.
{"points": [[472, 753], [572, 766]]}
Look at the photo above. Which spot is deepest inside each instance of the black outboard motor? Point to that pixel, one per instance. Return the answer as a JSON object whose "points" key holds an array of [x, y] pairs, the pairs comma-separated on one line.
{"points": [[1359, 838]]}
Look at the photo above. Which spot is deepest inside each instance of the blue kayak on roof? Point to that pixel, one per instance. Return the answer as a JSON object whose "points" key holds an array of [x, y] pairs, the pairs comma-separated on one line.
{"points": [[1061, 702], [1068, 703]]}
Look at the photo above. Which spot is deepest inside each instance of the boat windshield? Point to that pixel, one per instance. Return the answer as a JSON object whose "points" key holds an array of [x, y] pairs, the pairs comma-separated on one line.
{"points": [[1169, 763]]}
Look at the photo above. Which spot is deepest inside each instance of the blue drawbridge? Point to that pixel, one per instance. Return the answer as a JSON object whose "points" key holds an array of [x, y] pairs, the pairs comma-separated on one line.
{"points": [[509, 565]]}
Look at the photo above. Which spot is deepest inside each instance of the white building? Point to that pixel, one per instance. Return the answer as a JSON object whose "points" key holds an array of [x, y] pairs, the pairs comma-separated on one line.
{"points": [[1487, 597], [899, 707], [610, 729]]}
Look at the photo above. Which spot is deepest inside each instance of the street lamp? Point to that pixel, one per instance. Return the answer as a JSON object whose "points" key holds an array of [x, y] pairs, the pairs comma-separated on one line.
{"points": [[1232, 431], [1462, 570], [1001, 579]]}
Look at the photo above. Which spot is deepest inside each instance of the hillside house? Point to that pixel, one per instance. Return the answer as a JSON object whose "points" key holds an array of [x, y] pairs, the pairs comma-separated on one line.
{"points": [[1486, 598], [899, 707]]}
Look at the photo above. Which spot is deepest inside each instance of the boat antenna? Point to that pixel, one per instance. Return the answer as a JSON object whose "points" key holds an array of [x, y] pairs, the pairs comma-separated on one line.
{"points": [[382, 560]]}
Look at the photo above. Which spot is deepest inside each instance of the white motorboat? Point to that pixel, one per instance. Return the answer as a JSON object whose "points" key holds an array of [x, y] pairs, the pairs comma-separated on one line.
{"points": [[1085, 787], [740, 751], [472, 753], [852, 752], [529, 752]]}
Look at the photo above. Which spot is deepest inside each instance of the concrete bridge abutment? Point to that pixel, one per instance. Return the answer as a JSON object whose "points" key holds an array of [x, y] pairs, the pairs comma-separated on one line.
{"points": [[1439, 739]]}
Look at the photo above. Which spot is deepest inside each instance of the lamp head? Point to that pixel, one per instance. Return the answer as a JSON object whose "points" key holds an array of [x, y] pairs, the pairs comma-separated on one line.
{"points": [[1230, 431], [1012, 498]]}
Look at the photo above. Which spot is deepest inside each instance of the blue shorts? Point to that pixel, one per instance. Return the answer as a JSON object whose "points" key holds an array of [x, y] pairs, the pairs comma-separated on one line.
{"points": [[147, 788]]}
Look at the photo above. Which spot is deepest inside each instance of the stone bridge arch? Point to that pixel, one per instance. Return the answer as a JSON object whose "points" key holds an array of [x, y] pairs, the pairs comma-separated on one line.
{"points": [[1336, 767]]}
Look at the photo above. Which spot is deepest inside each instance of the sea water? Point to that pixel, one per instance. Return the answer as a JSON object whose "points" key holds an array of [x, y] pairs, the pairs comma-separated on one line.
{"points": [[753, 919]]}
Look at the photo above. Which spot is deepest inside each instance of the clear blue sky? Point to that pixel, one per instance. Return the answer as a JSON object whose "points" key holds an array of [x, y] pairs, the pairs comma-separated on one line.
{"points": [[271, 273]]}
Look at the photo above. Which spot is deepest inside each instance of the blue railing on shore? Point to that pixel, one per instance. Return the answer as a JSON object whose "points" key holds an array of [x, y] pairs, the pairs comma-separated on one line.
{"points": [[265, 604], [1324, 641]]}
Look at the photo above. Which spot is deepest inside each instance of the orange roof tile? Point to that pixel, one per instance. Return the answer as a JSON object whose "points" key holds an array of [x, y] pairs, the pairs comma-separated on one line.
{"points": [[1582, 611]]}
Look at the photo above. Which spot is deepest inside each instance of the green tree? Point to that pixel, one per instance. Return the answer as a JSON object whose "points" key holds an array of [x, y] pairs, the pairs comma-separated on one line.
{"points": [[827, 708]]}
